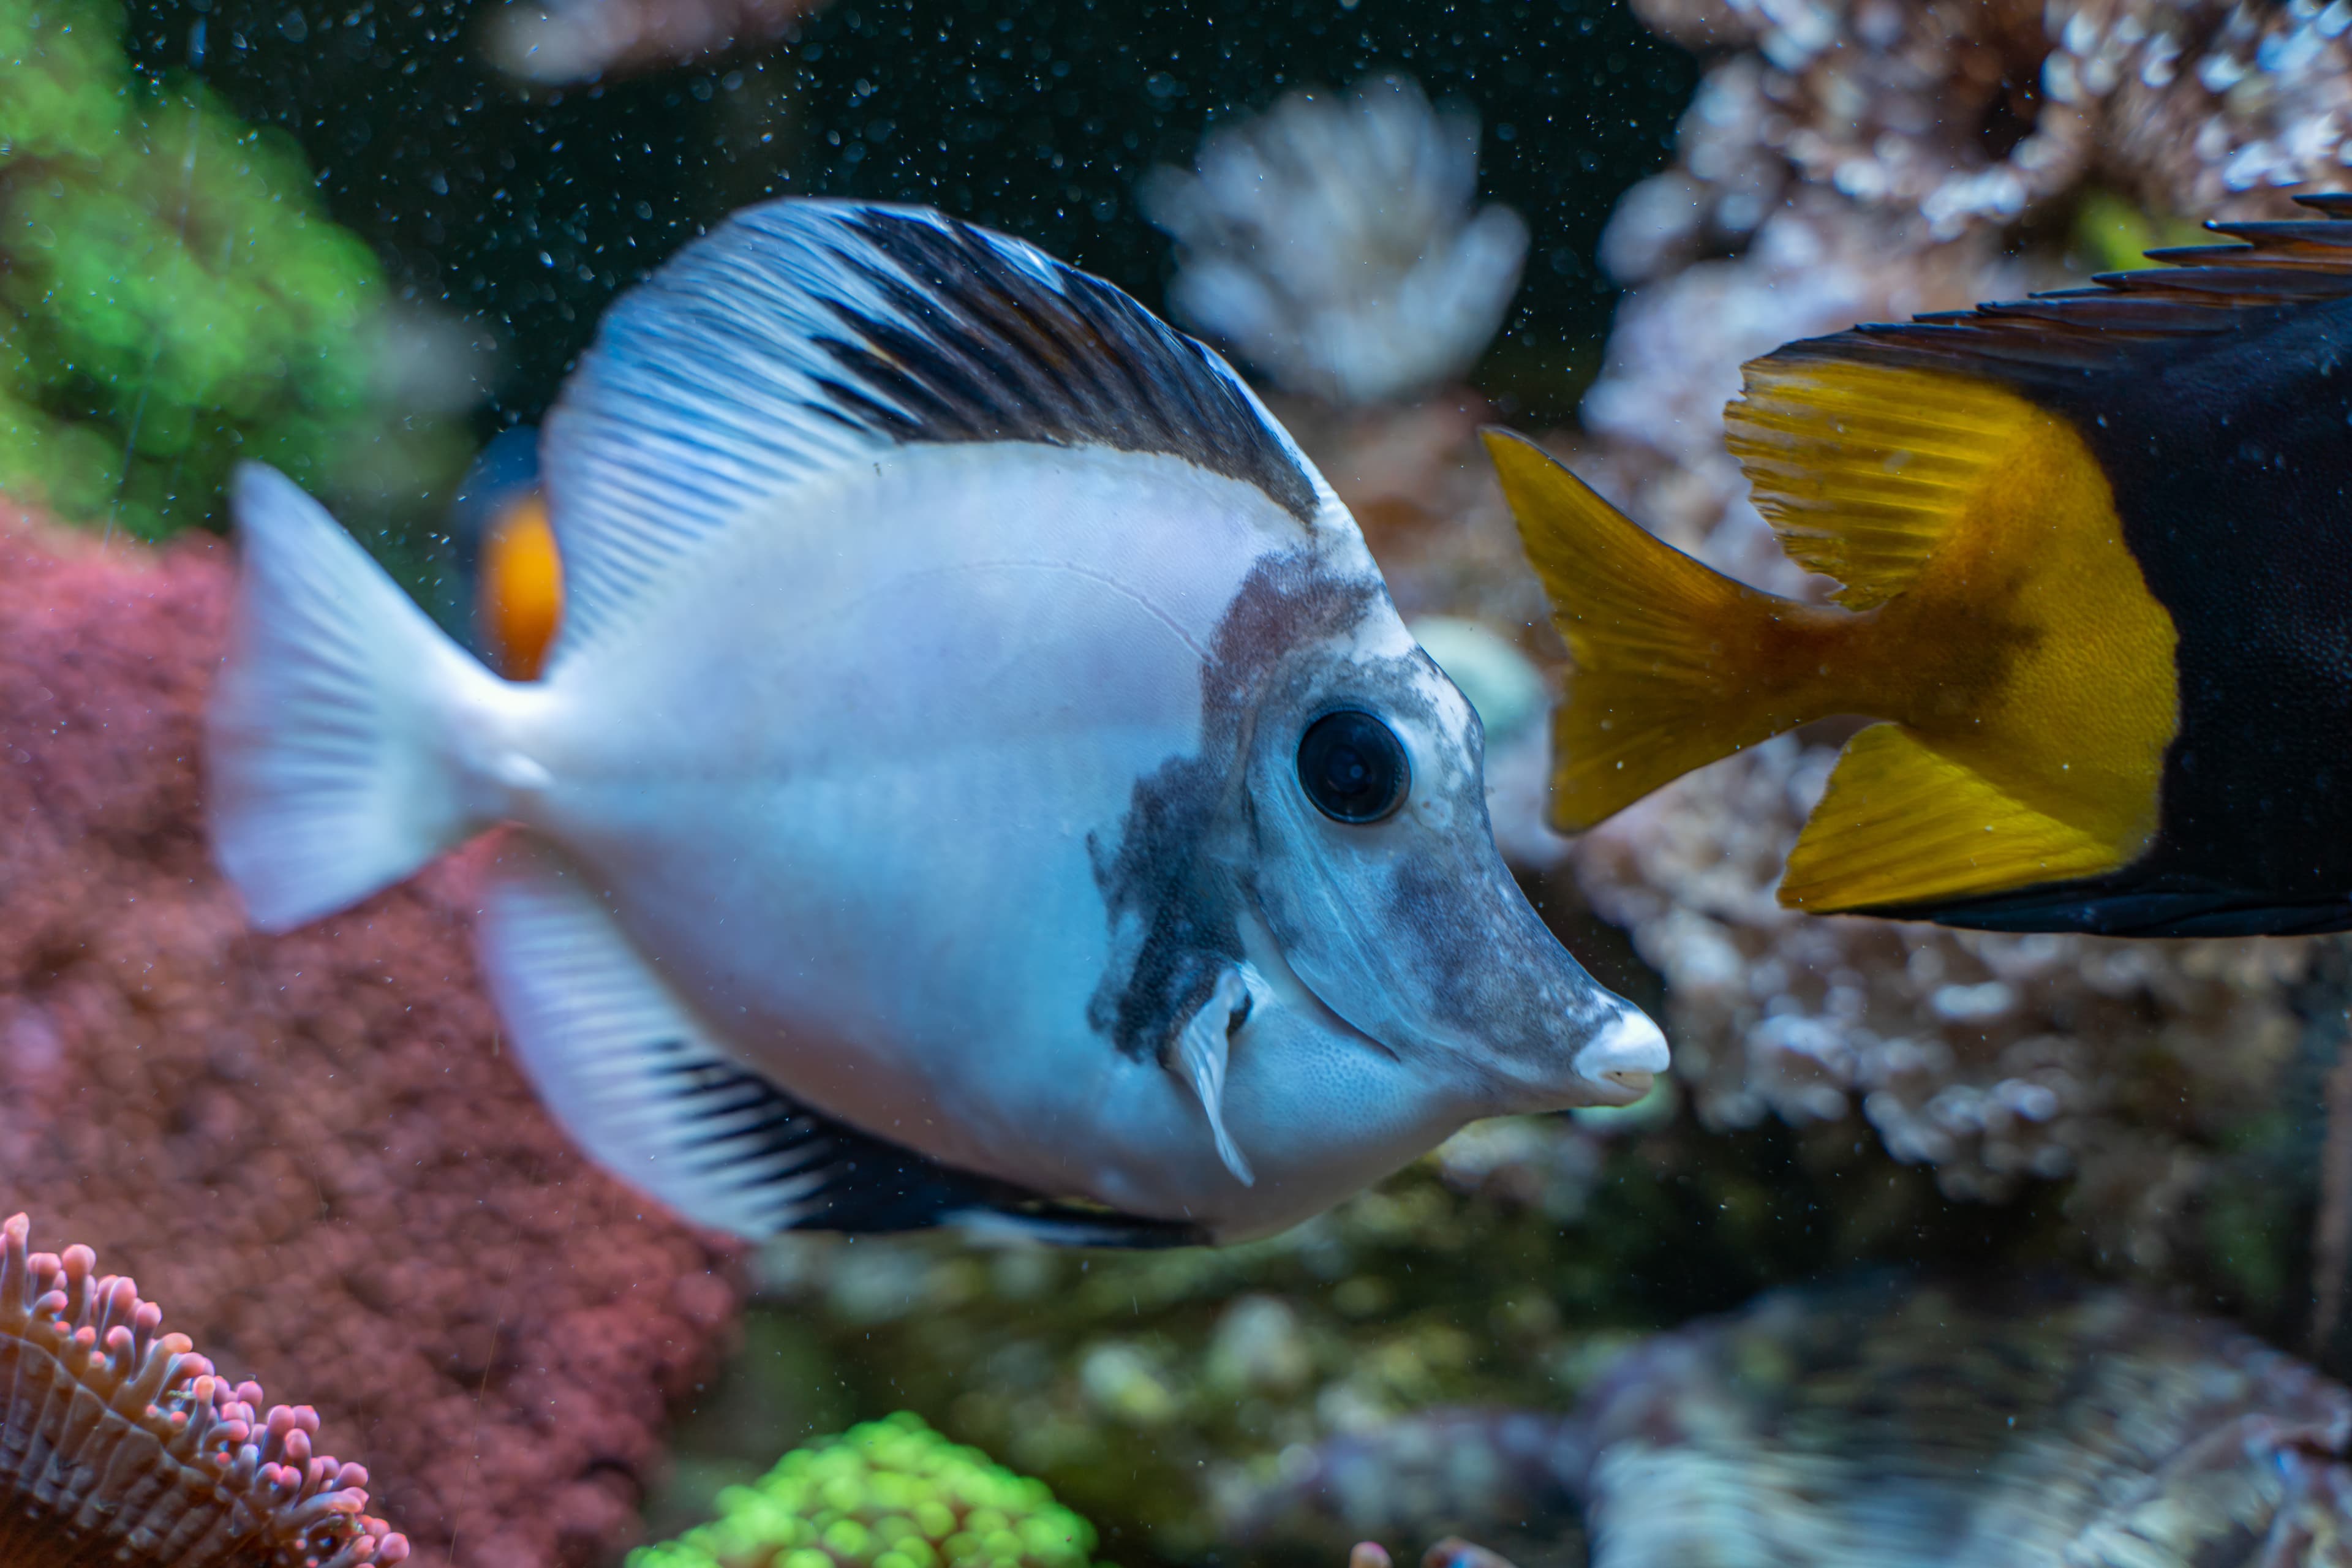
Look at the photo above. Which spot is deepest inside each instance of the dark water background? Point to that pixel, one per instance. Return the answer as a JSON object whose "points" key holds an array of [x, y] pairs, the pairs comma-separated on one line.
{"points": [[530, 210]]}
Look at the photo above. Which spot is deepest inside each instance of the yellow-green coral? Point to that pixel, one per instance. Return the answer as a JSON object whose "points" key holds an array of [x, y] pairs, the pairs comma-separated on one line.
{"points": [[888, 1494], [2111, 235], [171, 296]]}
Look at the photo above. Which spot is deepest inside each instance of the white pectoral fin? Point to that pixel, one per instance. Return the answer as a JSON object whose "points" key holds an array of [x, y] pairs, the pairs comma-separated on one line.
{"points": [[1200, 1050]]}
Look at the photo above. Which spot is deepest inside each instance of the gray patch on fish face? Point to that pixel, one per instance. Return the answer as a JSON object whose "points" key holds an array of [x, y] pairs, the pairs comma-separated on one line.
{"points": [[1172, 886], [1475, 976]]}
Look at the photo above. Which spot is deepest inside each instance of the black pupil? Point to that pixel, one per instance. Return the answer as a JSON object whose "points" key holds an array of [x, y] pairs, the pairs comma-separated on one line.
{"points": [[1353, 767]]}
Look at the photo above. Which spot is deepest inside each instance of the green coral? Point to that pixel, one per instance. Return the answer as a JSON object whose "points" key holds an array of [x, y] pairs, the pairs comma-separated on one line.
{"points": [[171, 296], [2112, 234], [888, 1494]]}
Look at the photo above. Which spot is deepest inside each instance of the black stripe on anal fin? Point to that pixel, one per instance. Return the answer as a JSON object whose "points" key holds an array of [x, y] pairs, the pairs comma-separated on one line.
{"points": [[828, 1176]]}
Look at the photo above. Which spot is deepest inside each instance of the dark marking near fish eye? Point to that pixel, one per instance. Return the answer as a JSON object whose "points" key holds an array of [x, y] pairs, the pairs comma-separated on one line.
{"points": [[1353, 767], [1171, 887], [1475, 974], [979, 348]]}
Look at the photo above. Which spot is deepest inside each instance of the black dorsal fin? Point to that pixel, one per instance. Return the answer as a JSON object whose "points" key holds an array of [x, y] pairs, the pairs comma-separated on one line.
{"points": [[2197, 292]]}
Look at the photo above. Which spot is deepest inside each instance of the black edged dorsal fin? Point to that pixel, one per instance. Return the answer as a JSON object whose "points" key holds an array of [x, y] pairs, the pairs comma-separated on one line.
{"points": [[1864, 447], [802, 337], [2198, 291]]}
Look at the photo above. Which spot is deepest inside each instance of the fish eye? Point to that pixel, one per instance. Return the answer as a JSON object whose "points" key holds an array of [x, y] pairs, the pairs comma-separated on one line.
{"points": [[1353, 767]]}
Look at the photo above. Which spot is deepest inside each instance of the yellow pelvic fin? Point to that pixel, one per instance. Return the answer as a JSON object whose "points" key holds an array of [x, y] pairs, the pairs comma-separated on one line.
{"points": [[1863, 469], [1673, 664], [1903, 824]]}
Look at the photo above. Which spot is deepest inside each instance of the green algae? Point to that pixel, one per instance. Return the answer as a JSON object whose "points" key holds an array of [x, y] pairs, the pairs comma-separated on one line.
{"points": [[887, 1494], [172, 296]]}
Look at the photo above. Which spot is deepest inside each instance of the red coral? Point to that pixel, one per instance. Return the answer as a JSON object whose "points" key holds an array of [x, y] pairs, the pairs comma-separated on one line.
{"points": [[311, 1145]]}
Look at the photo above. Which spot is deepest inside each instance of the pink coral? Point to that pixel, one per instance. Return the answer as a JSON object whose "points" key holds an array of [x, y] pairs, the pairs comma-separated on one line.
{"points": [[118, 1444], [312, 1145]]}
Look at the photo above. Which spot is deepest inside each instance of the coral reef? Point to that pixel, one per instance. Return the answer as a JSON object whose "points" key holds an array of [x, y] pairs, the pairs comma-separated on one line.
{"points": [[891, 1494], [174, 298], [1502, 1268], [1331, 244], [313, 1146], [118, 1444], [579, 40], [1881, 1421], [1960, 115], [1994, 1059]]}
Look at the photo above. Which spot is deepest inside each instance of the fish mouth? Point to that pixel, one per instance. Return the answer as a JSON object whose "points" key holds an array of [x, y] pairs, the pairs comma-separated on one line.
{"points": [[1625, 1059]]}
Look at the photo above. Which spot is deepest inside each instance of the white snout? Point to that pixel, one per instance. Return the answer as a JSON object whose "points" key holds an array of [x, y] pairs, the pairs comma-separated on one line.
{"points": [[1628, 1052]]}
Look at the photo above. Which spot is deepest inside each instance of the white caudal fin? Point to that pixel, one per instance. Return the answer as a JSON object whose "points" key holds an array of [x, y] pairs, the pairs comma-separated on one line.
{"points": [[332, 761]]}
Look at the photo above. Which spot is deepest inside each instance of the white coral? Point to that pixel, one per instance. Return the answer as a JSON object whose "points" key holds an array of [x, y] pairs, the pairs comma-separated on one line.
{"points": [[1330, 242]]}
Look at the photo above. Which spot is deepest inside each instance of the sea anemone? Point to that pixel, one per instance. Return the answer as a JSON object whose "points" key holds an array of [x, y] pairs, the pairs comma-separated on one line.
{"points": [[1330, 242], [892, 1494], [121, 1446]]}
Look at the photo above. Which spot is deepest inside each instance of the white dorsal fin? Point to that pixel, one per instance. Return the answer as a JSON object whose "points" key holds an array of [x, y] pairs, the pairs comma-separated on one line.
{"points": [[804, 336]]}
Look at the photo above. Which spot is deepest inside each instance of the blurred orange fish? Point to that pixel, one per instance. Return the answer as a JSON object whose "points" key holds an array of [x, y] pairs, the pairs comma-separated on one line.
{"points": [[508, 552]]}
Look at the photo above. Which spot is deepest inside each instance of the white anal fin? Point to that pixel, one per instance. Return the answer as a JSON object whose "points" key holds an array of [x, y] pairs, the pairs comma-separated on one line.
{"points": [[1200, 1049], [639, 1081], [624, 1067]]}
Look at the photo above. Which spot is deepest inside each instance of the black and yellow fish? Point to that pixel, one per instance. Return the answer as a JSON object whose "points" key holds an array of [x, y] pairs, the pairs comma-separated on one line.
{"points": [[2095, 551]]}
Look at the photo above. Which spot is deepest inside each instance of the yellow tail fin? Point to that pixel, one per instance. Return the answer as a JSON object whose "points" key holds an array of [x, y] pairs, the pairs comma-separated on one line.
{"points": [[1673, 665]]}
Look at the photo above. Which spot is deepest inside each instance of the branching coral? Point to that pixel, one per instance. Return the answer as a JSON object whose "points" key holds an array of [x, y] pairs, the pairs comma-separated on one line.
{"points": [[119, 1444], [171, 297], [1956, 115], [1330, 242], [1994, 1059], [1872, 159], [888, 1494]]}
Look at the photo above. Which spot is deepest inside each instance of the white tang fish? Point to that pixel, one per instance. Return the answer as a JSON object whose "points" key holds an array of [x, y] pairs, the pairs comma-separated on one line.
{"points": [[980, 778]]}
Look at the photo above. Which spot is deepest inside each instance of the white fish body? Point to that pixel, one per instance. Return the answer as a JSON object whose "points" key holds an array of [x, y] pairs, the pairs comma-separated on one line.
{"points": [[911, 823]]}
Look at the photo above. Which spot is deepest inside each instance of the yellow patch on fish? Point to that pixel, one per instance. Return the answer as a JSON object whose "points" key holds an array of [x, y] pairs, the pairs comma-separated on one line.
{"points": [[1996, 616]]}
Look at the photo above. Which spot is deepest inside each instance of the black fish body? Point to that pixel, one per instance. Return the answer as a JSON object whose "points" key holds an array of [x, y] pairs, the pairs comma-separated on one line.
{"points": [[2096, 557], [2231, 458]]}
